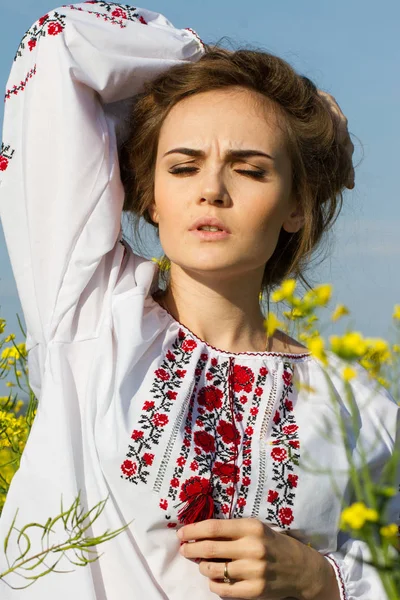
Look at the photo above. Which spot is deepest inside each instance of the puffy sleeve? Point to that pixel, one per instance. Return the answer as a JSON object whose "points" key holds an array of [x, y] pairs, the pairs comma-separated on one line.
{"points": [[61, 195], [378, 418]]}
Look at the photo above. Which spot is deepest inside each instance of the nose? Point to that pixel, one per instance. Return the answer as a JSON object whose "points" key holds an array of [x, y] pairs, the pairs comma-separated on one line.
{"points": [[213, 188]]}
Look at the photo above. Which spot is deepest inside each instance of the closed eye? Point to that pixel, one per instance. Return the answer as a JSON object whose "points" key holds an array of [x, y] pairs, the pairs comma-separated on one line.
{"points": [[247, 172], [256, 174], [177, 170]]}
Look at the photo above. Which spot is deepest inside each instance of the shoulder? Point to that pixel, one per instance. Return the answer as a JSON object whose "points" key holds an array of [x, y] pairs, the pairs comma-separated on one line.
{"points": [[282, 342]]}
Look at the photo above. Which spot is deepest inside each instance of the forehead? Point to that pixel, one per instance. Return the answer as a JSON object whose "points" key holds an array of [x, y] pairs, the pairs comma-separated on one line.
{"points": [[233, 115]]}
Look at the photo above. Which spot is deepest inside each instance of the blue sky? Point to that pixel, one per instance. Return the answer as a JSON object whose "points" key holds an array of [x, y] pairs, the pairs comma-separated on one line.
{"points": [[349, 49]]}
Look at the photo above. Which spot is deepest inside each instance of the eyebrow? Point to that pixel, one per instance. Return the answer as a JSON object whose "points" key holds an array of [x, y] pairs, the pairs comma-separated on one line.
{"points": [[229, 153]]}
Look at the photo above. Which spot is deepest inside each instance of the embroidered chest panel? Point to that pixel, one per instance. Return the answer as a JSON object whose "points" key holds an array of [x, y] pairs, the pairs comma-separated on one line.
{"points": [[216, 438]]}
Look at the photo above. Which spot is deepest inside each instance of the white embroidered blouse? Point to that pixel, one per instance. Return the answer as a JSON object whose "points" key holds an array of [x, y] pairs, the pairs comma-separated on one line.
{"points": [[132, 405]]}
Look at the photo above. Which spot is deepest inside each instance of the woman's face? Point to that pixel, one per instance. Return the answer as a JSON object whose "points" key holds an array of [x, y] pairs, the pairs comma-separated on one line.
{"points": [[222, 154]]}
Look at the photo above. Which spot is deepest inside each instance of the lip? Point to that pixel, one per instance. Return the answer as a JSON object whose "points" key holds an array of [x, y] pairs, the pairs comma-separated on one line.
{"points": [[211, 222], [210, 236]]}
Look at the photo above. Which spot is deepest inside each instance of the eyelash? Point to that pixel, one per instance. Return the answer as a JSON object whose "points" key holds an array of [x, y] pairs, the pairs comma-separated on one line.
{"points": [[255, 174]]}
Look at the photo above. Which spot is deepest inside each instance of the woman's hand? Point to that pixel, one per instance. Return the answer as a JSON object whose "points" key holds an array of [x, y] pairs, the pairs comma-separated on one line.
{"points": [[261, 562], [343, 136]]}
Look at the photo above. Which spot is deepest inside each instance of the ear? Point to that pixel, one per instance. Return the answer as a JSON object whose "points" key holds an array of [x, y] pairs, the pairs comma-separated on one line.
{"points": [[295, 221], [153, 212]]}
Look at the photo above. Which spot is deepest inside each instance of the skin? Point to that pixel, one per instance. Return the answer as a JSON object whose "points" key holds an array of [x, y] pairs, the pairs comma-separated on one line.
{"points": [[215, 285], [214, 292], [262, 563]]}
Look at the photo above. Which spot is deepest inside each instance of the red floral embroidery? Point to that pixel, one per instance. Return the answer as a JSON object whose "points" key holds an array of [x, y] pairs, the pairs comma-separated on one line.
{"points": [[197, 496], [6, 154], [228, 432], [247, 440], [205, 440], [54, 28], [148, 458], [242, 379], [285, 515], [51, 23], [284, 455], [148, 405], [116, 14], [155, 412], [279, 454], [272, 496], [129, 468], [22, 85], [213, 433], [227, 472], [210, 397]]}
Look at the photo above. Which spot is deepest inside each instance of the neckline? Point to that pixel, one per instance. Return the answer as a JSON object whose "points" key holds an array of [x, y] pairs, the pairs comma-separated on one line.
{"points": [[293, 356]]}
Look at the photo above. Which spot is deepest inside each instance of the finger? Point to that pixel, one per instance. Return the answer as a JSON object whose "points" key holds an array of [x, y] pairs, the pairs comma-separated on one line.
{"points": [[239, 589], [212, 549], [238, 570], [232, 529]]}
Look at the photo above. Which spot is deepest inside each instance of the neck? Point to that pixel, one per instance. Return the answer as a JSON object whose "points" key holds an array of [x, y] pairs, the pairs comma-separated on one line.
{"points": [[234, 323]]}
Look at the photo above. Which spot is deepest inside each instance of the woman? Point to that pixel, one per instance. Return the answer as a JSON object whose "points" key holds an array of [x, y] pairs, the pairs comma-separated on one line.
{"points": [[169, 401]]}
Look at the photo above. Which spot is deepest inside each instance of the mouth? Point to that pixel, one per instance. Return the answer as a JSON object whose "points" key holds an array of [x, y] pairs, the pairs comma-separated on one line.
{"points": [[211, 236]]}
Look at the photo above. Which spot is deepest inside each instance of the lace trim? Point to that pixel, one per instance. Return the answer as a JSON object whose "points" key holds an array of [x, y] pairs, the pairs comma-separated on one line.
{"points": [[339, 577]]}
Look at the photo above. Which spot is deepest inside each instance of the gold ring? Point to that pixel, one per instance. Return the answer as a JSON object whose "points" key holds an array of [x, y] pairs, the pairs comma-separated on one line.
{"points": [[227, 579]]}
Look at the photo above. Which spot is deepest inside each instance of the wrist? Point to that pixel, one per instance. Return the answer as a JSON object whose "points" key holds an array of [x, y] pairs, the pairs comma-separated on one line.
{"points": [[320, 582]]}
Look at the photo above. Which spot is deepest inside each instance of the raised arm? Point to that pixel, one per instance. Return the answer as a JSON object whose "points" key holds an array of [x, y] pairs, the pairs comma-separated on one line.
{"points": [[60, 191]]}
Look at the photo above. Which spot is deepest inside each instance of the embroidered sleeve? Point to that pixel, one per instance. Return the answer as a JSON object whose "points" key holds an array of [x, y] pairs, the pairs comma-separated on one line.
{"points": [[60, 191]]}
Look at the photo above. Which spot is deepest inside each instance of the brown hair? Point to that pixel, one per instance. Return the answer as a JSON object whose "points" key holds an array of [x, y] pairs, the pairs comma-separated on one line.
{"points": [[320, 165]]}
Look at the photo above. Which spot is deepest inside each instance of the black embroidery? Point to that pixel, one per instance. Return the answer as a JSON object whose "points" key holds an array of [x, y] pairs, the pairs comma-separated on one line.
{"points": [[6, 154], [117, 14], [155, 416], [50, 24], [22, 85], [284, 454]]}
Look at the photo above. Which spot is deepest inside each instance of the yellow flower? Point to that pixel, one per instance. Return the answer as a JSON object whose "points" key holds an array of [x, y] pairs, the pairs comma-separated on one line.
{"points": [[10, 337], [10, 384], [272, 323], [378, 350], [323, 293], [350, 346], [316, 346], [2, 325], [349, 373], [396, 348], [356, 515], [339, 312], [18, 373], [396, 313], [14, 352], [389, 531], [319, 296], [285, 292], [21, 349]]}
